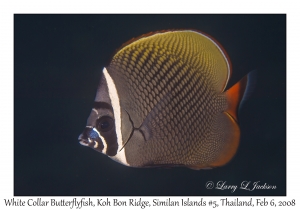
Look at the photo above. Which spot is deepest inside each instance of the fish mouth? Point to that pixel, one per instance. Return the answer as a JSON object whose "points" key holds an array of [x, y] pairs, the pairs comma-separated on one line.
{"points": [[90, 142], [86, 141], [84, 138], [83, 141]]}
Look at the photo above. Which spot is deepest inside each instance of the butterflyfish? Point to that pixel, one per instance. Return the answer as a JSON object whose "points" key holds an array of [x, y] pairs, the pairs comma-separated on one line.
{"points": [[162, 102]]}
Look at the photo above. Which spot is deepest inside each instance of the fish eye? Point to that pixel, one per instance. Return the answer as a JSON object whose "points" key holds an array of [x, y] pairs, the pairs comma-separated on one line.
{"points": [[105, 124]]}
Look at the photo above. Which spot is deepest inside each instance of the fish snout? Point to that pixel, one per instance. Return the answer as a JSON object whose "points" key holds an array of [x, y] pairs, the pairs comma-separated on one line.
{"points": [[83, 140], [89, 139]]}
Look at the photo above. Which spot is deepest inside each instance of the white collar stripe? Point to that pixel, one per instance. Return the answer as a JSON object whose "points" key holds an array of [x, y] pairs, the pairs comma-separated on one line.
{"points": [[115, 102]]}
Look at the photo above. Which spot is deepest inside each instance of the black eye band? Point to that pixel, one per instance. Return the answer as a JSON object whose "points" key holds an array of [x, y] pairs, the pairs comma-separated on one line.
{"points": [[102, 105]]}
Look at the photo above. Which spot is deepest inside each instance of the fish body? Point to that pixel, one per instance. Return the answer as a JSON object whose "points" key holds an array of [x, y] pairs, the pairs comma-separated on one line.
{"points": [[161, 101]]}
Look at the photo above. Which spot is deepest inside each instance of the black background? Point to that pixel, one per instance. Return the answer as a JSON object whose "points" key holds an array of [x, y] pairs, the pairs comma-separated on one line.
{"points": [[57, 64]]}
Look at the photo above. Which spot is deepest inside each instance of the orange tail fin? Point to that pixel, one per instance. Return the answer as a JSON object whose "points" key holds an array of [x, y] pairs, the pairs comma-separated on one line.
{"points": [[234, 97]]}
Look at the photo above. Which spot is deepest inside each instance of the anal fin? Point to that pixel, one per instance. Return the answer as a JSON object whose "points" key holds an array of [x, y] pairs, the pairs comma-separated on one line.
{"points": [[199, 167], [226, 135], [230, 140]]}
